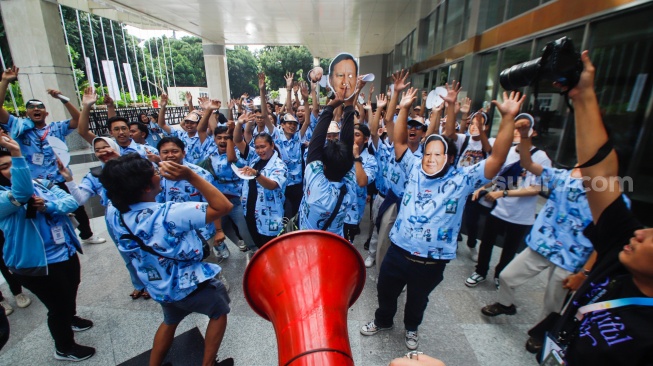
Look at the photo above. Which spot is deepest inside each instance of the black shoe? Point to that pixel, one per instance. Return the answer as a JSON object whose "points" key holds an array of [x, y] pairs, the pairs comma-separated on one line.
{"points": [[498, 309], [366, 246], [78, 353], [80, 324], [226, 362], [533, 345]]}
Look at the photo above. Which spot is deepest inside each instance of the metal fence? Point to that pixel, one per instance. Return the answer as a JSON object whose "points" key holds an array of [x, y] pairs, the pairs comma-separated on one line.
{"points": [[98, 118]]}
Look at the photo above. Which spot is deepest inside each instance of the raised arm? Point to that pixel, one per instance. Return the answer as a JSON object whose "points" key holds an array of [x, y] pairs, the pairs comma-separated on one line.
{"points": [[8, 76], [74, 112], [464, 109], [231, 151], [509, 108], [88, 101], [590, 137], [399, 79], [316, 100], [451, 98], [202, 127], [111, 106], [316, 145], [303, 87], [525, 158], [162, 114], [401, 133], [289, 86], [189, 102], [422, 111], [381, 101], [436, 114], [238, 132], [264, 108]]}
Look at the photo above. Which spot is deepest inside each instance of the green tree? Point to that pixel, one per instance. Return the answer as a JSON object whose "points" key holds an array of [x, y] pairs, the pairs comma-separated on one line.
{"points": [[242, 67], [275, 61]]}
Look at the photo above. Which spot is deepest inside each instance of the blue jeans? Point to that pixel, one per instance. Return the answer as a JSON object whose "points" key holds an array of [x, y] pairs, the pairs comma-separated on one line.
{"points": [[399, 269], [237, 216]]}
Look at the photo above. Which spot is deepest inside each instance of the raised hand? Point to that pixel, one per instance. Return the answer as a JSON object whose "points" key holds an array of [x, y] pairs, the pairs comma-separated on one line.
{"points": [[9, 143], [408, 98], [261, 80], [337, 100], [465, 105], [245, 117], [289, 77], [371, 90], [53, 92], [90, 97], [108, 101], [203, 102], [189, 98], [425, 95], [164, 99], [381, 101], [452, 92], [10, 74], [65, 173], [523, 126], [586, 81], [399, 80], [295, 87], [213, 104], [303, 88], [173, 171], [232, 103], [231, 126], [511, 103]]}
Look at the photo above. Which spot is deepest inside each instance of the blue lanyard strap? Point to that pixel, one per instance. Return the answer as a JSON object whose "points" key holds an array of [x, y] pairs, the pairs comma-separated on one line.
{"points": [[613, 304]]}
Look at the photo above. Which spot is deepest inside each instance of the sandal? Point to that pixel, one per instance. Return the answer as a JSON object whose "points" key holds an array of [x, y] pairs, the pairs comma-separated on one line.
{"points": [[146, 295], [136, 294]]}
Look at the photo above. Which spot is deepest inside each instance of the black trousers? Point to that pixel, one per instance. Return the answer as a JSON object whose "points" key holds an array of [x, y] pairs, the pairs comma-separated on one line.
{"points": [[84, 227], [474, 217], [513, 234], [58, 292], [420, 279], [259, 240], [14, 285], [294, 196]]}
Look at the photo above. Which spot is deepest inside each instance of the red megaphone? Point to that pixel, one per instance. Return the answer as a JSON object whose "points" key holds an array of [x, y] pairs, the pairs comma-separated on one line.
{"points": [[304, 282]]}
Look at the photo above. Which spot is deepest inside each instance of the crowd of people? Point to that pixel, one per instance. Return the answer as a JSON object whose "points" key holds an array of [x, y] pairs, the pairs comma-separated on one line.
{"points": [[174, 195]]}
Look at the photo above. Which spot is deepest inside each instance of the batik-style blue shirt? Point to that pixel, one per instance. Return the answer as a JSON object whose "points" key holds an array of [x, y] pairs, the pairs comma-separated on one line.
{"points": [[385, 155], [169, 229], [291, 154], [320, 198], [355, 215], [397, 175], [557, 233], [431, 211], [225, 179], [183, 191], [309, 133], [154, 135], [269, 203], [34, 145], [91, 186], [133, 147], [196, 151]]}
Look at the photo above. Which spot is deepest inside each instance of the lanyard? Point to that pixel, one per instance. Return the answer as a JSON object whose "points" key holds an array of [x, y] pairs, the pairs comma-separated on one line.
{"points": [[613, 304], [42, 138]]}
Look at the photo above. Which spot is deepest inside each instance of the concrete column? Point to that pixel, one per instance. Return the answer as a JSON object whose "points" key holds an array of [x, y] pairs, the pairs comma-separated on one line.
{"points": [[373, 65], [36, 41], [217, 77]]}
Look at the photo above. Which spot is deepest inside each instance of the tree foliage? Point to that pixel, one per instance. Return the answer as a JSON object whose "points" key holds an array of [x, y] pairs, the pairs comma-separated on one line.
{"points": [[242, 68]]}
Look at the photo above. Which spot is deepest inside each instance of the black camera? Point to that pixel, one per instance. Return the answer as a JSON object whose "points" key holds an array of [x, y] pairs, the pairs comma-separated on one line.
{"points": [[559, 63]]}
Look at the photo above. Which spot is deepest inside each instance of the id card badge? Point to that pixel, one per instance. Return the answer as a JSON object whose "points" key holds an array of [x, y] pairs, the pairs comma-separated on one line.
{"points": [[552, 353], [57, 234], [38, 158]]}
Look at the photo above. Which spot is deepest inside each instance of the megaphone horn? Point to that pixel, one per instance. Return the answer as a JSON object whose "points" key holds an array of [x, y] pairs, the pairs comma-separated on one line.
{"points": [[304, 282]]}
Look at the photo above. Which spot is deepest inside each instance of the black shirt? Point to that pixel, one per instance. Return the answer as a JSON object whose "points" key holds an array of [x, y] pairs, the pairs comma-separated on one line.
{"points": [[619, 336]]}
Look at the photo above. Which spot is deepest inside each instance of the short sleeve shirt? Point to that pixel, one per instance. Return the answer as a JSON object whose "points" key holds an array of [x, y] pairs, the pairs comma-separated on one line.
{"points": [[134, 147], [385, 155], [34, 145], [370, 167], [196, 151], [269, 203], [92, 185], [557, 233], [397, 180], [225, 179], [320, 198], [473, 153], [291, 154], [169, 229], [431, 211]]}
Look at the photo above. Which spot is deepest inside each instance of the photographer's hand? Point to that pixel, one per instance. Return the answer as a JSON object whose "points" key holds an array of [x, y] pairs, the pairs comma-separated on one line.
{"points": [[39, 204]]}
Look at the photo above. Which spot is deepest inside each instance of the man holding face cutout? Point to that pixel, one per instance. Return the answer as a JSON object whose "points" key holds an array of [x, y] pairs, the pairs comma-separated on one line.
{"points": [[423, 238]]}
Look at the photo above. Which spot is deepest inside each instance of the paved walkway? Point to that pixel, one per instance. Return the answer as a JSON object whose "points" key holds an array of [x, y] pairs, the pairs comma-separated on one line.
{"points": [[454, 329]]}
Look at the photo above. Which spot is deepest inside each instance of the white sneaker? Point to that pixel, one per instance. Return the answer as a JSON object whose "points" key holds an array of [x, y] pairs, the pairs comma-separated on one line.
{"points": [[370, 260], [412, 339], [474, 280], [8, 308], [371, 329], [473, 254], [94, 240], [242, 246], [22, 300]]}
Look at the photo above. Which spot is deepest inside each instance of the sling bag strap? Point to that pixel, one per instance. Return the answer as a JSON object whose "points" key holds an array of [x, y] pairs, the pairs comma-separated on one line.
{"points": [[341, 197]]}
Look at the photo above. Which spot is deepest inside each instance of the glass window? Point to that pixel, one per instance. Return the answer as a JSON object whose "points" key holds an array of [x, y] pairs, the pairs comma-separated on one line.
{"points": [[487, 79], [430, 34], [439, 30], [518, 7], [493, 10], [453, 27]]}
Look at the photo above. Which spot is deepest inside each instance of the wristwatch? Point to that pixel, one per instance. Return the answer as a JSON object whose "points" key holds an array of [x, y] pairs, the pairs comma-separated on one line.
{"points": [[358, 159], [258, 174], [505, 193]]}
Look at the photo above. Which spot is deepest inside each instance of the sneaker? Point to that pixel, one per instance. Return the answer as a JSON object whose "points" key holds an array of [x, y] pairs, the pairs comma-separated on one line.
{"points": [[412, 339], [474, 280], [94, 240], [80, 325], [473, 254], [223, 279], [78, 353], [366, 246], [498, 309], [496, 282], [371, 329], [533, 345], [226, 362], [8, 308], [242, 246], [370, 260], [22, 300]]}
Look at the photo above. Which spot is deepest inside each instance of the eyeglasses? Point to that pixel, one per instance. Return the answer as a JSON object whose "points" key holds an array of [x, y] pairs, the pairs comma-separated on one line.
{"points": [[118, 129], [414, 127], [35, 106]]}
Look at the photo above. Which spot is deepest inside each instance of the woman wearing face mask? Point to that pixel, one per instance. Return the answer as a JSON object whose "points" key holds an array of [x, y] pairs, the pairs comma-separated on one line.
{"points": [[424, 234], [263, 197], [105, 149]]}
